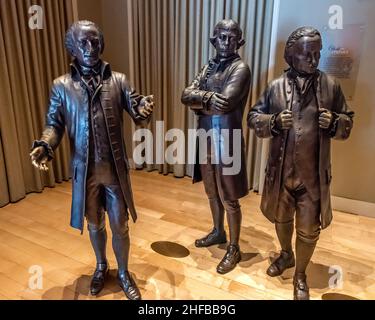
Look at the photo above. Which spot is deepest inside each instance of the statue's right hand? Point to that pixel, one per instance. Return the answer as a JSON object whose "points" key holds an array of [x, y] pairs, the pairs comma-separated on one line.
{"points": [[284, 120], [218, 102], [39, 158]]}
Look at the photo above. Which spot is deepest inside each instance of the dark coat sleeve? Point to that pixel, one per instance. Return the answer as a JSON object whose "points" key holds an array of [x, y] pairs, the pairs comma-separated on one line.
{"points": [[237, 86], [259, 117], [55, 122], [195, 98], [132, 101], [343, 116]]}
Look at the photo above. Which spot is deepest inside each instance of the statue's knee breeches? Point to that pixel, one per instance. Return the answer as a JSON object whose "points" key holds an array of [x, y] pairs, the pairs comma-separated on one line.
{"points": [[95, 220], [210, 181], [308, 219]]}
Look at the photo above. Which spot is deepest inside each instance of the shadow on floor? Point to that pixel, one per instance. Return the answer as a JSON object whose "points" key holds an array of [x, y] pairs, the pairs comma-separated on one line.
{"points": [[170, 249], [337, 296]]}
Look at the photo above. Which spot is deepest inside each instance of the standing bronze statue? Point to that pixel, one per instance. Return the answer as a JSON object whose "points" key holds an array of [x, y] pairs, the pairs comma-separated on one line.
{"points": [[89, 101], [300, 111], [218, 96]]}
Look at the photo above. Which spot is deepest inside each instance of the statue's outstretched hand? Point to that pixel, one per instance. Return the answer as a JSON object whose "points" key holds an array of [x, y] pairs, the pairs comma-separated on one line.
{"points": [[146, 106], [39, 158]]}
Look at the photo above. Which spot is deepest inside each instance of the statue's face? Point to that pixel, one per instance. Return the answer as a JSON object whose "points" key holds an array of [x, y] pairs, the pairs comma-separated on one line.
{"points": [[226, 43], [306, 54], [87, 46]]}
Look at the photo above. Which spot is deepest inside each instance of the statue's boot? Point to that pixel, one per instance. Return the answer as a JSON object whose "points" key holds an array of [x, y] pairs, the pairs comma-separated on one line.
{"points": [[98, 238], [129, 286], [217, 235], [233, 254], [230, 260], [304, 251], [286, 258], [121, 246]]}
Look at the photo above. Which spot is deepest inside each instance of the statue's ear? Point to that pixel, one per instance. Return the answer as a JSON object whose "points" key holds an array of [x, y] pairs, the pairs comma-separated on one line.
{"points": [[213, 40], [241, 43]]}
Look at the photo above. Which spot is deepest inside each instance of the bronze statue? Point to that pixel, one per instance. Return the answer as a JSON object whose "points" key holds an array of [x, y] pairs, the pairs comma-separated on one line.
{"points": [[218, 96], [300, 111], [89, 101]]}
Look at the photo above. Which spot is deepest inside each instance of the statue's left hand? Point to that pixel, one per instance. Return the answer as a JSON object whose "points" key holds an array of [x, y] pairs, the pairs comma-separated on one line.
{"points": [[146, 106], [39, 158], [325, 118]]}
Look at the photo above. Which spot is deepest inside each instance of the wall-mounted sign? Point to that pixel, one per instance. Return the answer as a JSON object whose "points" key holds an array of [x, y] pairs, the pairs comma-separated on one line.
{"points": [[342, 49]]}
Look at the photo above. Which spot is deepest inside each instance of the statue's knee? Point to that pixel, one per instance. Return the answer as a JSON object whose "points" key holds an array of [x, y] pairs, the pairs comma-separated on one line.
{"points": [[232, 206], [120, 231], [212, 195], [309, 233], [96, 226]]}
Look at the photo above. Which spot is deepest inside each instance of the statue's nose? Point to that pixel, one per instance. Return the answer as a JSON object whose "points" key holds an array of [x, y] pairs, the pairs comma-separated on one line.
{"points": [[89, 47]]}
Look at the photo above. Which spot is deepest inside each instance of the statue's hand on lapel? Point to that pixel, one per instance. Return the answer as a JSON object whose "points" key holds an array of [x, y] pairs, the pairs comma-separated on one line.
{"points": [[325, 118]]}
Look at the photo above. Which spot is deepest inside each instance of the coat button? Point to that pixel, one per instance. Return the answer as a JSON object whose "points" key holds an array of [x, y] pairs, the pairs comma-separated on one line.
{"points": [[280, 159]]}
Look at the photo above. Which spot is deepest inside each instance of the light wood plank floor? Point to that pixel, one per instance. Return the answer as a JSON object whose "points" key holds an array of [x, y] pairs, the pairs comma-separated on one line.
{"points": [[35, 231]]}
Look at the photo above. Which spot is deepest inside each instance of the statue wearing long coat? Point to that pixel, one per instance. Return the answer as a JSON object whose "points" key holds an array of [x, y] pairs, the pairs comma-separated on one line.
{"points": [[232, 78], [69, 106], [276, 98]]}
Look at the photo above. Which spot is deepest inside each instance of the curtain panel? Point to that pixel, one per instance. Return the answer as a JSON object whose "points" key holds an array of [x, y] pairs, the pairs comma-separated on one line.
{"points": [[29, 61]]}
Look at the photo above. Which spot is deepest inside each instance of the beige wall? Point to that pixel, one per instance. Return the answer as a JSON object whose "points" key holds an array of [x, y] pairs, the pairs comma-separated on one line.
{"points": [[112, 18], [352, 160], [90, 10]]}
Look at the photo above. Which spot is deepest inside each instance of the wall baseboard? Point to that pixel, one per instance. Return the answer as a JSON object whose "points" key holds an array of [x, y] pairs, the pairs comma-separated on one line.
{"points": [[353, 206]]}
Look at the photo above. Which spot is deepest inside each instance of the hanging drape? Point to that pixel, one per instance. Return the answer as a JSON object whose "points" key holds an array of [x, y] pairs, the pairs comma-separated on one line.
{"points": [[29, 61], [170, 43]]}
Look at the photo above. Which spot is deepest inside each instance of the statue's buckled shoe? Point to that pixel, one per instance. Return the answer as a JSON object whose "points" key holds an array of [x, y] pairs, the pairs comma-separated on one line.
{"points": [[301, 289], [214, 237], [129, 286], [284, 261], [230, 260], [97, 281]]}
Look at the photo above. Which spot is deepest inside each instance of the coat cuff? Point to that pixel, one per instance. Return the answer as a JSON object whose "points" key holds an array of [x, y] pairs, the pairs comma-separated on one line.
{"points": [[263, 125], [199, 100], [47, 148], [341, 126]]}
